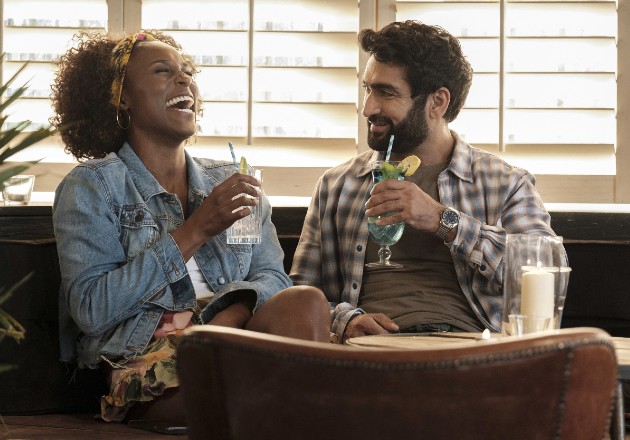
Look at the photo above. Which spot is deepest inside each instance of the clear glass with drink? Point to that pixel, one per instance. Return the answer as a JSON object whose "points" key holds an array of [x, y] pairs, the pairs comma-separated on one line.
{"points": [[18, 189], [247, 230], [387, 235]]}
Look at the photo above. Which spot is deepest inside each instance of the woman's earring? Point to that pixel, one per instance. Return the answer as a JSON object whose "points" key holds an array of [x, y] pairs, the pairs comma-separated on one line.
{"points": [[126, 115]]}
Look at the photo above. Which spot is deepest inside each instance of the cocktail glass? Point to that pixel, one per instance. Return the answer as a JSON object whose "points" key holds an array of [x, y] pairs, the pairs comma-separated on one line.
{"points": [[387, 235]]}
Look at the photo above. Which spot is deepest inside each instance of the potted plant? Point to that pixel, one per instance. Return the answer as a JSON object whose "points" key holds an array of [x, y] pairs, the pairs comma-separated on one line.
{"points": [[12, 141]]}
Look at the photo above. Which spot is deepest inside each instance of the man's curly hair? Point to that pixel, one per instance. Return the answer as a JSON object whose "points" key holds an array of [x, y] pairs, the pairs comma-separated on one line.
{"points": [[432, 58], [81, 94]]}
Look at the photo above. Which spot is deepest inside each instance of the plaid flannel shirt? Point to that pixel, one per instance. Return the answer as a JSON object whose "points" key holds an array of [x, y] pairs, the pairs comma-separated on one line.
{"points": [[493, 197]]}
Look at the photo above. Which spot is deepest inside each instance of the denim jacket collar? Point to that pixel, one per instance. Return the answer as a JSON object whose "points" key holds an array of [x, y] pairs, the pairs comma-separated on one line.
{"points": [[143, 180], [148, 186]]}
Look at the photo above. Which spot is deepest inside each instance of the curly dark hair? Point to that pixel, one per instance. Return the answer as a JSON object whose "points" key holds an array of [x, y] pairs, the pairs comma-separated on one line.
{"points": [[81, 94], [432, 58]]}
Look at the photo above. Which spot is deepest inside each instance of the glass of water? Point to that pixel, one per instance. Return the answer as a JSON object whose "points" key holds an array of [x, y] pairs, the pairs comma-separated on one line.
{"points": [[247, 229], [18, 189]]}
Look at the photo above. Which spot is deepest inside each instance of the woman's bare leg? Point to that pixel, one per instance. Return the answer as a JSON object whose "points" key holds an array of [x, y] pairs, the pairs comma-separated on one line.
{"points": [[299, 312], [168, 408]]}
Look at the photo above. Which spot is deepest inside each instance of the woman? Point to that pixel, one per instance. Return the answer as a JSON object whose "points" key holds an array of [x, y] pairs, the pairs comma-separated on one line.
{"points": [[140, 227]]}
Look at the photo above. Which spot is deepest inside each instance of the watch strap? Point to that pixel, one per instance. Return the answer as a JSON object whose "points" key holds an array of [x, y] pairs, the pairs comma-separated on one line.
{"points": [[442, 231]]}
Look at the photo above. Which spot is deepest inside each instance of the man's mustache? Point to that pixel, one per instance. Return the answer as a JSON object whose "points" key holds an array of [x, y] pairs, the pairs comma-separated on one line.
{"points": [[380, 120]]}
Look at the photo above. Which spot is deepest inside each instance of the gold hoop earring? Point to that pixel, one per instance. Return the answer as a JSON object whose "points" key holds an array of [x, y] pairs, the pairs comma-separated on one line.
{"points": [[118, 112]]}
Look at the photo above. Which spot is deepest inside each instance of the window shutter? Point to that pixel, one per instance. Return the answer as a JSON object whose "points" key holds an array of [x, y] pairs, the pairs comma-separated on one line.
{"points": [[275, 74], [32, 34], [551, 90]]}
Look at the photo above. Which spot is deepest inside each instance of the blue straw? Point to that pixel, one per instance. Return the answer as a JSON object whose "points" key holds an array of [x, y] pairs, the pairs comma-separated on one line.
{"points": [[389, 148], [233, 155]]}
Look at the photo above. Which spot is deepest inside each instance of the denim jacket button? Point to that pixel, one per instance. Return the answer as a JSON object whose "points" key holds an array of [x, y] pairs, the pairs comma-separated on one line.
{"points": [[221, 280], [139, 217]]}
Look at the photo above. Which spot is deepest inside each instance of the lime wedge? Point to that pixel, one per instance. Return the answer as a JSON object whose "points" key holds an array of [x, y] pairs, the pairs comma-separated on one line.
{"points": [[409, 165], [242, 168]]}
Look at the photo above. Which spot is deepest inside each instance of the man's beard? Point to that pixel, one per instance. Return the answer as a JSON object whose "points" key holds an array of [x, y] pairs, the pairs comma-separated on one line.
{"points": [[408, 134]]}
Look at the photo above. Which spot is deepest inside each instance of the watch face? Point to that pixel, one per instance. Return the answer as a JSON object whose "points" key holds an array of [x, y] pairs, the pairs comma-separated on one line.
{"points": [[450, 217]]}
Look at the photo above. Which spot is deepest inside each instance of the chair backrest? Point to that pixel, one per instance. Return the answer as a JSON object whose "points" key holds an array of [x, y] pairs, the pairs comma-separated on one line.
{"points": [[244, 385]]}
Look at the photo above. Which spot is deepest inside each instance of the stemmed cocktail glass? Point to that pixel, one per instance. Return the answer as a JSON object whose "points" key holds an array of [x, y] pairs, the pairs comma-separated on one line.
{"points": [[386, 235]]}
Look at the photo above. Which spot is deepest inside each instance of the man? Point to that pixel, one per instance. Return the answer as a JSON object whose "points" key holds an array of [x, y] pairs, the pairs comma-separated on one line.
{"points": [[458, 206]]}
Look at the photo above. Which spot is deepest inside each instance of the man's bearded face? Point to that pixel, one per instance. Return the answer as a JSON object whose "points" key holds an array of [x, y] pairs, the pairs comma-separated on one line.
{"points": [[408, 134]]}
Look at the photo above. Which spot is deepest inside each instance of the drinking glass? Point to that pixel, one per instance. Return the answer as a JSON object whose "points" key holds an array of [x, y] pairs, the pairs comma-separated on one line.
{"points": [[247, 230], [535, 280], [387, 235], [18, 189]]}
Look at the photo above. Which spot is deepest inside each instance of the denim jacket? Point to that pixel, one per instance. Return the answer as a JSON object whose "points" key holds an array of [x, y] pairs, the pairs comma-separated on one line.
{"points": [[120, 267]]}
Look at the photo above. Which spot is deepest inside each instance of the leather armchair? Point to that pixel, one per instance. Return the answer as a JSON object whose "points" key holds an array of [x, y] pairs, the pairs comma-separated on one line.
{"points": [[244, 385]]}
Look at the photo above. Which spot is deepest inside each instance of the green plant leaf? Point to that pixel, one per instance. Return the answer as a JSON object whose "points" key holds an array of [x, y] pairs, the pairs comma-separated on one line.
{"points": [[4, 368], [7, 136], [10, 170], [15, 287], [20, 139], [11, 99], [4, 87], [9, 326], [29, 139]]}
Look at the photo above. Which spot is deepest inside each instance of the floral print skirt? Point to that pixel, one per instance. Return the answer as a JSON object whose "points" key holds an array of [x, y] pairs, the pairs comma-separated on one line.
{"points": [[141, 379], [148, 375]]}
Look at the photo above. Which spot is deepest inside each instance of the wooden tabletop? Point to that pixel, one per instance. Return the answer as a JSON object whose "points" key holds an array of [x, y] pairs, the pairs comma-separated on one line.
{"points": [[428, 341], [622, 349], [423, 341]]}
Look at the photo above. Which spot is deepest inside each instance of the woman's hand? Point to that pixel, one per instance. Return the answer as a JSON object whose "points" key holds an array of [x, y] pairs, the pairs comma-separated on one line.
{"points": [[227, 203]]}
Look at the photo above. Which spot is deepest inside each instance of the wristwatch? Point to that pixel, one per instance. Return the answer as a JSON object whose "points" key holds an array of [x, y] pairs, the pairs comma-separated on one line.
{"points": [[448, 220]]}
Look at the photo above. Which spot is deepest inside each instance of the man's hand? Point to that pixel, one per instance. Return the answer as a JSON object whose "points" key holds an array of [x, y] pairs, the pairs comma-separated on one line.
{"points": [[407, 203], [369, 324]]}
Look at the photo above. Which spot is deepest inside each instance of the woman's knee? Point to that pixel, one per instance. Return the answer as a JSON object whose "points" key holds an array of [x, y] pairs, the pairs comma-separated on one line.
{"points": [[299, 311], [305, 297]]}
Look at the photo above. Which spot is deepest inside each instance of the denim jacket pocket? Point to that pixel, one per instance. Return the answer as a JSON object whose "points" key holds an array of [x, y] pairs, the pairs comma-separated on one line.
{"points": [[138, 230], [241, 248], [242, 253], [142, 332], [126, 341]]}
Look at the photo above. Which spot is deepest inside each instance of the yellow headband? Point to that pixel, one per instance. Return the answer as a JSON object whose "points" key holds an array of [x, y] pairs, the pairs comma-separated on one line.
{"points": [[120, 58]]}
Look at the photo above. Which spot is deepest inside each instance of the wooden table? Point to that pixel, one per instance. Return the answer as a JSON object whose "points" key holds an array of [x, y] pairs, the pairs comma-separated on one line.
{"points": [[419, 341], [428, 341]]}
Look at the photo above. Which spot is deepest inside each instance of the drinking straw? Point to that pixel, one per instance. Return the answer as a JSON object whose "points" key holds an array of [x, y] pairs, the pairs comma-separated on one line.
{"points": [[233, 155], [389, 148]]}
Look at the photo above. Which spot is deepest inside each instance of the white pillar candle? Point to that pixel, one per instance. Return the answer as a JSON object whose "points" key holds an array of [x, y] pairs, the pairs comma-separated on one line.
{"points": [[537, 294]]}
